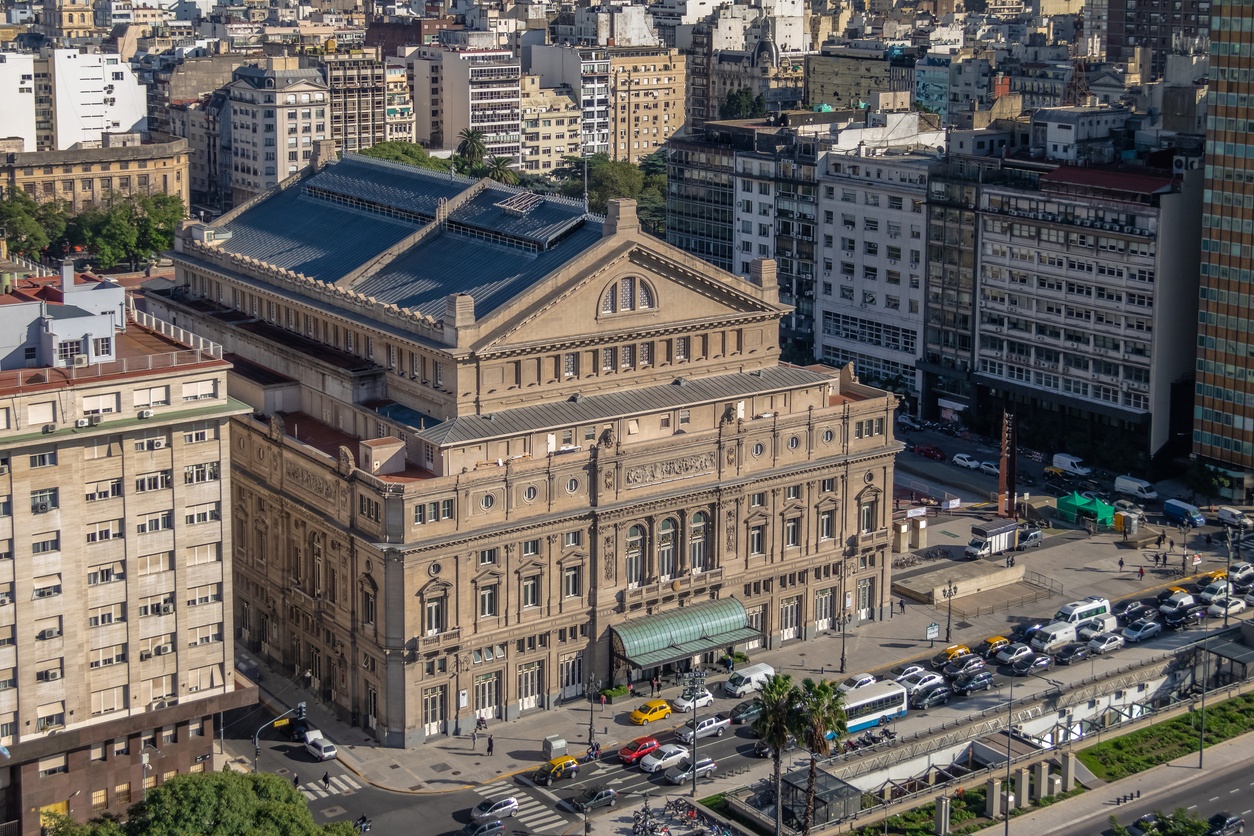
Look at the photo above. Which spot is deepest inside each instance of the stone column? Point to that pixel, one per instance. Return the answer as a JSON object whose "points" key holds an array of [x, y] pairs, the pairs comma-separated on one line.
{"points": [[1068, 772], [1022, 788], [1040, 780], [942, 816], [992, 798]]}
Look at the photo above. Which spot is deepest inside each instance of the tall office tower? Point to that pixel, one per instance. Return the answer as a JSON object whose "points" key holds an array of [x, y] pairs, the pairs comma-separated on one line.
{"points": [[1223, 420], [116, 640], [358, 95]]}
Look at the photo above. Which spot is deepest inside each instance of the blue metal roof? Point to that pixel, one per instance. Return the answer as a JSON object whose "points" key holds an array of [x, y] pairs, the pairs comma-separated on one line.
{"points": [[455, 262], [399, 186]]}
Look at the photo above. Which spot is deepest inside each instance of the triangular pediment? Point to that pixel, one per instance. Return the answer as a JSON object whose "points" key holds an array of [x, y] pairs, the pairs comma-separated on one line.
{"points": [[637, 288]]}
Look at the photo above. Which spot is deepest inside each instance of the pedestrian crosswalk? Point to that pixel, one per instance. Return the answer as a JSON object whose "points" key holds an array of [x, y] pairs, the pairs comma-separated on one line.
{"points": [[339, 785], [534, 814]]}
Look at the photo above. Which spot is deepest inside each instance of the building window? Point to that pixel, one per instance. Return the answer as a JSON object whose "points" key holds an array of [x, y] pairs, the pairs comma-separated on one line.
{"points": [[666, 549], [635, 556], [570, 365], [572, 581], [696, 541], [530, 548], [572, 538], [48, 459], [197, 473], [369, 507], [792, 533], [487, 557], [825, 525], [757, 539], [43, 501], [868, 516], [794, 491], [487, 601], [436, 616], [531, 591], [681, 349]]}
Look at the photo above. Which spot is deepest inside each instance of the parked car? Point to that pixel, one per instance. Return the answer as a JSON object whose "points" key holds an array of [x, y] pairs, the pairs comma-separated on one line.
{"points": [[949, 654], [991, 468], [684, 771], [1143, 612], [693, 698], [1130, 508], [745, 712], [908, 422], [930, 697], [969, 683], [902, 671], [962, 665], [594, 797], [637, 750], [1072, 653], [858, 680], [1163, 596], [319, 747], [1139, 631], [1106, 642], [563, 766], [1030, 538], [930, 451], [1008, 654], [650, 711], [1219, 606], [493, 809], [918, 681], [712, 725], [1184, 619], [1225, 824], [1032, 663], [1022, 633], [990, 647], [663, 758], [964, 460], [487, 828]]}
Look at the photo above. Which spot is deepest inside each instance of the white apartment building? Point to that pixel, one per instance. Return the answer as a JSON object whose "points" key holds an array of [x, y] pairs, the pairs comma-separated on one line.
{"points": [[58, 98], [587, 72], [1088, 296], [477, 89], [869, 288], [277, 112]]}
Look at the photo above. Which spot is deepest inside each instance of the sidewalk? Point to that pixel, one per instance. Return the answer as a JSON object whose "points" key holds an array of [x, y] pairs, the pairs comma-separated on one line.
{"points": [[1099, 803], [1084, 566]]}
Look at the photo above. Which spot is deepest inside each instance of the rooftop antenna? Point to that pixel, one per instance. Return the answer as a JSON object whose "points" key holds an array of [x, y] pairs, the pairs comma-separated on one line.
{"points": [[585, 182]]}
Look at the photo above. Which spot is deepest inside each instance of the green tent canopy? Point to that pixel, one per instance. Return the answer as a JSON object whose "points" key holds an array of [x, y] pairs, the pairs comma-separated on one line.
{"points": [[1076, 508]]}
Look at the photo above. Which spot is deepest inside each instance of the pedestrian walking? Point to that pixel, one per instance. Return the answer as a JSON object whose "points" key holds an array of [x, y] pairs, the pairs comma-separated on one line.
{"points": [[295, 780], [631, 690], [491, 745], [657, 686], [901, 602], [1172, 544], [1125, 535], [326, 781], [1140, 573], [603, 703], [1161, 538], [474, 739], [1121, 564]]}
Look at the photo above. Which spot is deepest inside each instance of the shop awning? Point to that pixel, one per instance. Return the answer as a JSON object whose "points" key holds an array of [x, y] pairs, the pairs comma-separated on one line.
{"points": [[682, 633]]}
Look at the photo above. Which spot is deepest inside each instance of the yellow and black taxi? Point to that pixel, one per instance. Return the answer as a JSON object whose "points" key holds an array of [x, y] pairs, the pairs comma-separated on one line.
{"points": [[991, 646], [650, 711], [563, 766], [949, 654]]}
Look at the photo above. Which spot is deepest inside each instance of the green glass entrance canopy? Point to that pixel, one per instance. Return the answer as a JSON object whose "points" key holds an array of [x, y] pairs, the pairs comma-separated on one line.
{"points": [[683, 633]]}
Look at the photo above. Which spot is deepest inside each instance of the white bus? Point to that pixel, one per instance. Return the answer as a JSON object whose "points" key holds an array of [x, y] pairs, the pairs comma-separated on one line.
{"points": [[874, 705], [1078, 611]]}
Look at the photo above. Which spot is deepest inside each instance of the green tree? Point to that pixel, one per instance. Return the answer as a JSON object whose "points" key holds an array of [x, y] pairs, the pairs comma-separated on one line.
{"points": [[30, 227], [1205, 480], [775, 724], [409, 153], [471, 145], [819, 713], [158, 217], [655, 164], [742, 104], [498, 169]]}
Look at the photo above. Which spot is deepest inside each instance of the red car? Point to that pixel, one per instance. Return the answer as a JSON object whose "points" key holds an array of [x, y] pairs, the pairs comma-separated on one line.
{"points": [[930, 451], [631, 754]]}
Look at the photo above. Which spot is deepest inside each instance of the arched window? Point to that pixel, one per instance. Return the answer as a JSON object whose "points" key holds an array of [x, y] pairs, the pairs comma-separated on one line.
{"points": [[635, 556], [630, 294], [607, 302], [696, 541], [626, 295], [644, 296], [666, 550]]}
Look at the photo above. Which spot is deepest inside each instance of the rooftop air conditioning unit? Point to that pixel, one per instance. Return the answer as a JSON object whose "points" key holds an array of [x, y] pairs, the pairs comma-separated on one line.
{"points": [[145, 413], [158, 444], [50, 428], [42, 508], [144, 655], [95, 420], [166, 609], [165, 649], [52, 675], [82, 422], [80, 361], [4, 470]]}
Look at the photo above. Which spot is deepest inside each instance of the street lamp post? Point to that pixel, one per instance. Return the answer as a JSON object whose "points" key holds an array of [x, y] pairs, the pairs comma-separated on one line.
{"points": [[1230, 532], [594, 685], [1010, 719], [845, 618], [143, 784], [696, 681], [949, 591], [1201, 737]]}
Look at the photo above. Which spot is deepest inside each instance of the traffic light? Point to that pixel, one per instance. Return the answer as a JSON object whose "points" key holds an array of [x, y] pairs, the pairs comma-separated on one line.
{"points": [[300, 711]]}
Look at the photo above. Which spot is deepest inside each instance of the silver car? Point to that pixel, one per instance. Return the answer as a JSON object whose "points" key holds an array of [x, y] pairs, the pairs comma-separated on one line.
{"points": [[493, 809], [684, 770]]}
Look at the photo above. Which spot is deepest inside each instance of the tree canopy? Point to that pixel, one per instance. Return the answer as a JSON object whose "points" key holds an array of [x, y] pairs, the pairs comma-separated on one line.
{"points": [[410, 153], [608, 179], [742, 104], [224, 803]]}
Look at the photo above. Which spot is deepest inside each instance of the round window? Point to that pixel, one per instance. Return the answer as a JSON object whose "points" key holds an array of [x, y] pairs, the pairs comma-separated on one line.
{"points": [[572, 485], [794, 443], [758, 449], [487, 501], [530, 493], [828, 435]]}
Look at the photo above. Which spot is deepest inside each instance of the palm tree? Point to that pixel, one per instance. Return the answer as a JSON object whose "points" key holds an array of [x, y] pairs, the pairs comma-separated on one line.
{"points": [[498, 169], [820, 714], [778, 703], [472, 145]]}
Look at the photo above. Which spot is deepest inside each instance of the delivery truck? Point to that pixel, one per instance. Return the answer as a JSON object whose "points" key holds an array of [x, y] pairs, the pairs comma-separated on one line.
{"points": [[991, 539]]}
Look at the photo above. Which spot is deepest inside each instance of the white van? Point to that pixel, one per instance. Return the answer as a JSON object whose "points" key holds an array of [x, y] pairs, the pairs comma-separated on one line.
{"points": [[1216, 589], [1051, 637], [1228, 515], [1070, 464], [1132, 486], [1078, 611], [1099, 624], [748, 679]]}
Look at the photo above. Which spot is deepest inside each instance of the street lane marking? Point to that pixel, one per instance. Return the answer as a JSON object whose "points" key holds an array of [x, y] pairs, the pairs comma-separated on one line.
{"points": [[1230, 792], [1191, 807], [1216, 798]]}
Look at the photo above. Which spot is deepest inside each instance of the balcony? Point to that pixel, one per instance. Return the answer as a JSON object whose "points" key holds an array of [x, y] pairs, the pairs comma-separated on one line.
{"points": [[869, 540], [657, 591], [443, 639]]}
